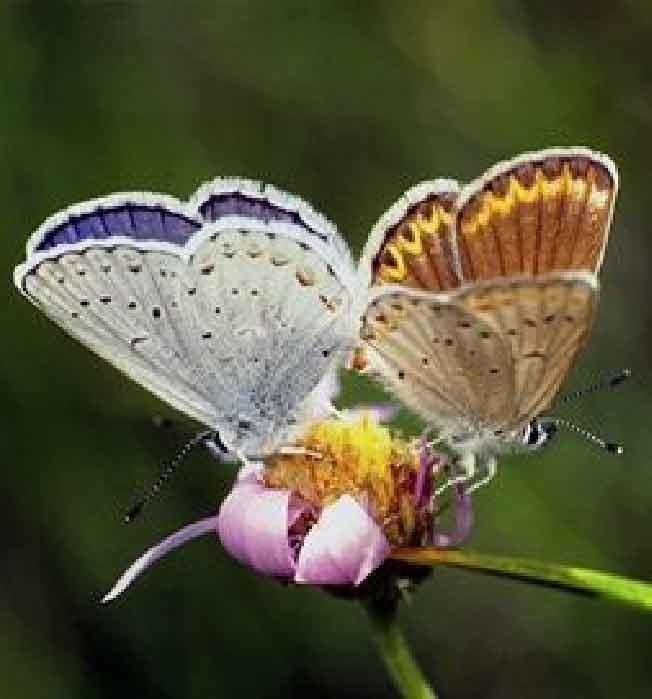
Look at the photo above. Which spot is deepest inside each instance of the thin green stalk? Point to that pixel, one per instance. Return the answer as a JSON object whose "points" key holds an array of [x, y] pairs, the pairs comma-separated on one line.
{"points": [[397, 656], [635, 593]]}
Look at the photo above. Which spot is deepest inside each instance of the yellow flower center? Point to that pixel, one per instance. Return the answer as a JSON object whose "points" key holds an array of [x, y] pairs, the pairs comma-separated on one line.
{"points": [[361, 458]]}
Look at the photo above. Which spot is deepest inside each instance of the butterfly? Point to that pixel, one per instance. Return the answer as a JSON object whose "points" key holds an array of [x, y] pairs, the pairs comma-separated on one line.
{"points": [[233, 307], [481, 296]]}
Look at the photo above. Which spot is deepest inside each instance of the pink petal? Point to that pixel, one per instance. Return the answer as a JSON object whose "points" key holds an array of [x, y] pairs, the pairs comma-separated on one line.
{"points": [[343, 547], [251, 472], [192, 531], [430, 465], [253, 526], [463, 505]]}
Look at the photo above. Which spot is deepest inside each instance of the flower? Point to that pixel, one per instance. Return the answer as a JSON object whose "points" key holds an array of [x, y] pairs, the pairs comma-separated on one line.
{"points": [[329, 510]]}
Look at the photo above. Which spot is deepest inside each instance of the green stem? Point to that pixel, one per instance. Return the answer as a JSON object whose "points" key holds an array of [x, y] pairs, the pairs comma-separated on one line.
{"points": [[636, 593], [397, 656]]}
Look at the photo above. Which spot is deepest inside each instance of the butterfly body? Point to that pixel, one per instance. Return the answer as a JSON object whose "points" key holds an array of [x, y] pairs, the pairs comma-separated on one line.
{"points": [[480, 297], [231, 308]]}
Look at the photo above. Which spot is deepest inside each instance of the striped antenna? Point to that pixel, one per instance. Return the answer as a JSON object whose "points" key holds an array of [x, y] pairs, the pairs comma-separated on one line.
{"points": [[167, 473], [611, 447], [609, 382]]}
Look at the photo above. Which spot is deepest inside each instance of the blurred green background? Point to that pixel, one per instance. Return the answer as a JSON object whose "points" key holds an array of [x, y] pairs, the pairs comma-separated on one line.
{"points": [[346, 104]]}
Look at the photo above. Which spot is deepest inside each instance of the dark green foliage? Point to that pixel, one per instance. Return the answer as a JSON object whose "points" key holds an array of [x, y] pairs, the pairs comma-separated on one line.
{"points": [[346, 104]]}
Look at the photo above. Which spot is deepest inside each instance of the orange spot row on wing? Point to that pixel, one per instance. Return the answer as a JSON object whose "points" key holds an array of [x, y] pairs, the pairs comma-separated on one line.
{"points": [[417, 251]]}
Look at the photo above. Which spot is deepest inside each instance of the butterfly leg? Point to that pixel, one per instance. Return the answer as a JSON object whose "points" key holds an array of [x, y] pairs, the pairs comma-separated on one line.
{"points": [[489, 467], [290, 450], [466, 464]]}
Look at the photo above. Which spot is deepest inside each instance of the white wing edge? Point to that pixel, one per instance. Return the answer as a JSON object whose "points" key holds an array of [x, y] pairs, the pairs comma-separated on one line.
{"points": [[477, 185], [394, 214], [271, 194], [570, 276], [108, 201], [290, 230]]}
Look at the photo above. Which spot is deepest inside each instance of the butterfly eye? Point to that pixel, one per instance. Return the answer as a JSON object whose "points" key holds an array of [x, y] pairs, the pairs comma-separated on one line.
{"points": [[537, 433]]}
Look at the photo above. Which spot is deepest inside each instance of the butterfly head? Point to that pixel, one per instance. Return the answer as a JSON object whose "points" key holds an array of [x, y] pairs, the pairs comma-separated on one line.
{"points": [[487, 442], [539, 431], [245, 432], [537, 434]]}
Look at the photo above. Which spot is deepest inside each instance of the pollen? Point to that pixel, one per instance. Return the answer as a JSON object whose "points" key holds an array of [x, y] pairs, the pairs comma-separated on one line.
{"points": [[362, 459]]}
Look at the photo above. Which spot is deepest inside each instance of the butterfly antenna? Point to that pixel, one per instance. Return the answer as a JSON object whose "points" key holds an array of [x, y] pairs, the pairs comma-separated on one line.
{"points": [[609, 382], [167, 473], [611, 447]]}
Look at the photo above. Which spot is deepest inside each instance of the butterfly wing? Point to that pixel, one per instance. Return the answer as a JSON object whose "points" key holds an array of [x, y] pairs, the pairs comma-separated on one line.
{"points": [[438, 357], [490, 356], [412, 243], [231, 311], [540, 212], [544, 322], [500, 241]]}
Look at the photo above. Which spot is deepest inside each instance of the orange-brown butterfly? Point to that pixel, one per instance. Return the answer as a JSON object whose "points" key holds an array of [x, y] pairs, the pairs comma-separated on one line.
{"points": [[481, 296]]}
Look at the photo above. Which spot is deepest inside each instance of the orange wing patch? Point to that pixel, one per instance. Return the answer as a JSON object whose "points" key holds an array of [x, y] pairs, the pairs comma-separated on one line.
{"points": [[540, 215], [417, 251]]}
